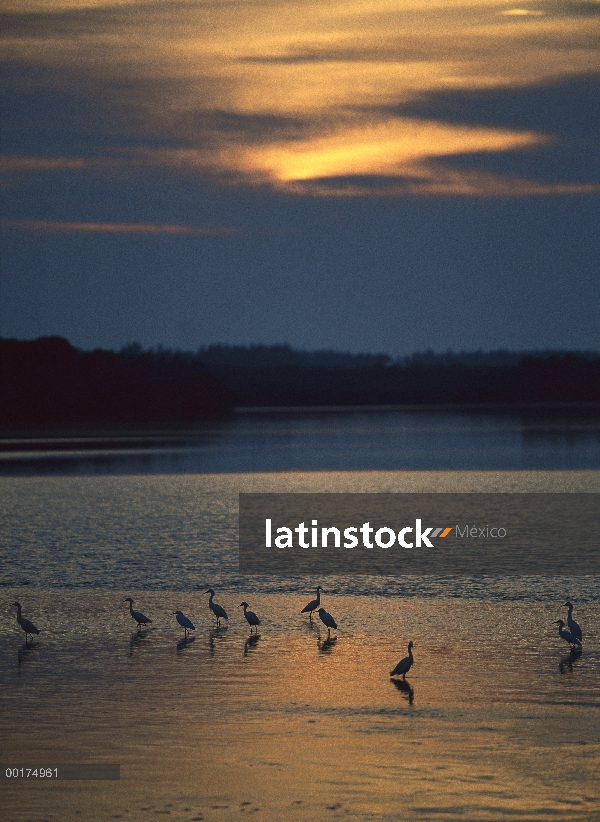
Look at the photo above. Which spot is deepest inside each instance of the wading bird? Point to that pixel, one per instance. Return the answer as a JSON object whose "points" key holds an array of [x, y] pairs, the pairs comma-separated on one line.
{"points": [[138, 616], [567, 635], [313, 605], [327, 620], [574, 628], [251, 617], [25, 624], [404, 666], [184, 622], [217, 610]]}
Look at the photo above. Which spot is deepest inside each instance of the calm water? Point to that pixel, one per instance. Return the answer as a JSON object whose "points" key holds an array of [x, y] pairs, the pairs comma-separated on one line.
{"points": [[495, 720], [359, 441]]}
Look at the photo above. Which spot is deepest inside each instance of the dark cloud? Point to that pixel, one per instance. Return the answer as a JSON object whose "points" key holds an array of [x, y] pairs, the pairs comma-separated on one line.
{"points": [[565, 107], [573, 8], [68, 21], [401, 52], [51, 110]]}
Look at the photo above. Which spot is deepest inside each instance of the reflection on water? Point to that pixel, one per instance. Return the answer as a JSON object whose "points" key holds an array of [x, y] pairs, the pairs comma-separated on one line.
{"points": [[333, 441], [27, 650], [185, 643], [300, 726], [405, 688], [250, 643], [568, 660], [326, 645], [136, 641], [198, 724]]}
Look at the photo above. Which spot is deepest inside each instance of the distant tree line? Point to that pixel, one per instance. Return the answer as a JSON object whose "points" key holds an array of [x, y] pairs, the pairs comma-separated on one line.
{"points": [[429, 379], [48, 382]]}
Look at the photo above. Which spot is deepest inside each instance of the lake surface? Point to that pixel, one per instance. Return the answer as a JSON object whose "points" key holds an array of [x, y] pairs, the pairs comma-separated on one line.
{"points": [[423, 439], [496, 719]]}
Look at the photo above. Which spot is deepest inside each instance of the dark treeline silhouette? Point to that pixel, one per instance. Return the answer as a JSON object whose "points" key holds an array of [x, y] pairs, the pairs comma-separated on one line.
{"points": [[48, 382], [278, 376]]}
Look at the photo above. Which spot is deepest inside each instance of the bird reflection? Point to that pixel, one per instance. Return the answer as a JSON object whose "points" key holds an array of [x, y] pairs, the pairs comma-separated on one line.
{"points": [[185, 642], [136, 639], [25, 652], [568, 660], [311, 628], [405, 688], [216, 633], [251, 642], [326, 646]]}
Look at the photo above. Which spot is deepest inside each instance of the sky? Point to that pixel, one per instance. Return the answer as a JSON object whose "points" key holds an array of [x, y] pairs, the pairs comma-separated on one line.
{"points": [[359, 176]]}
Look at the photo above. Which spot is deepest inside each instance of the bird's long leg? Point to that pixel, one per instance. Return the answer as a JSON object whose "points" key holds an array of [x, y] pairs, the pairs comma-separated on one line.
{"points": [[310, 616]]}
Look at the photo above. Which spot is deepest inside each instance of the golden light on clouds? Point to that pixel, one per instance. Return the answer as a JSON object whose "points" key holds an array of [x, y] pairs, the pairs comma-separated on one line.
{"points": [[522, 13], [279, 92], [384, 148]]}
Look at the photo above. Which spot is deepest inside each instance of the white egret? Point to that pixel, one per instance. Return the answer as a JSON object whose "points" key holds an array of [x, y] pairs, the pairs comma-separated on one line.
{"points": [[25, 624], [138, 616], [574, 628], [404, 666], [185, 623], [217, 610], [251, 617], [567, 635], [313, 604], [327, 620]]}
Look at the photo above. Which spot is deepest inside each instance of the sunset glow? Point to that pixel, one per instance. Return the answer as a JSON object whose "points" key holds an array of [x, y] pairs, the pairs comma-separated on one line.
{"points": [[281, 92]]}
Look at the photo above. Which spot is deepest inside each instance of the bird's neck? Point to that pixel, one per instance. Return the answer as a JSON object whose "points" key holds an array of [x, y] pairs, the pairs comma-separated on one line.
{"points": [[131, 607]]}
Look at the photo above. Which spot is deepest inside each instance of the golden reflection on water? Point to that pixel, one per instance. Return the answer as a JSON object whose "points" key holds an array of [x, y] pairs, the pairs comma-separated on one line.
{"points": [[221, 725]]}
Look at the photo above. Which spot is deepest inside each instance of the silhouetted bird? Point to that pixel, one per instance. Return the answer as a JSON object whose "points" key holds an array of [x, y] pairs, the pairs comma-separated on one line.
{"points": [[25, 624], [184, 622], [574, 628], [404, 666], [217, 610], [313, 604], [327, 620], [567, 635], [137, 615], [251, 617]]}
